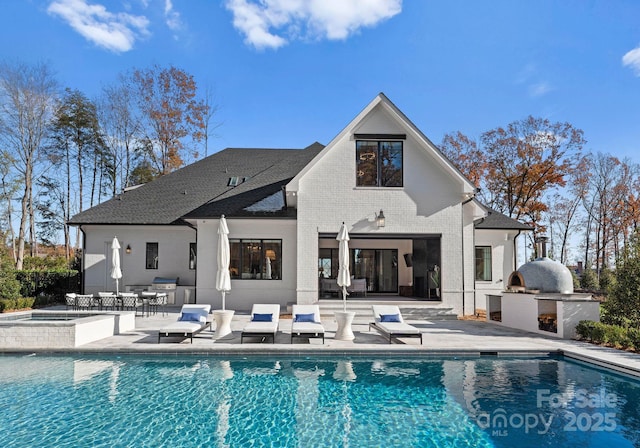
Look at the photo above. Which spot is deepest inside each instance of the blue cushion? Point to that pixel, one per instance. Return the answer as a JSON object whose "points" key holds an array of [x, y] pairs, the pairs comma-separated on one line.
{"points": [[304, 318], [390, 318], [190, 317], [262, 317]]}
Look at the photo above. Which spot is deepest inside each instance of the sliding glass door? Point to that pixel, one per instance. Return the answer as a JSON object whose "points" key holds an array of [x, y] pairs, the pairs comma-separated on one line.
{"points": [[379, 267]]}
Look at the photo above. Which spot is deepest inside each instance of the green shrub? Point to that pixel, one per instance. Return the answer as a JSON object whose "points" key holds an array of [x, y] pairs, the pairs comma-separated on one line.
{"points": [[16, 304], [9, 286], [589, 280], [607, 280], [613, 335], [634, 338]]}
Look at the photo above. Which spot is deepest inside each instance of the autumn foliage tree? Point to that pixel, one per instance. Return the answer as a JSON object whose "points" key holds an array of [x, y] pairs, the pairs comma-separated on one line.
{"points": [[518, 164], [172, 114]]}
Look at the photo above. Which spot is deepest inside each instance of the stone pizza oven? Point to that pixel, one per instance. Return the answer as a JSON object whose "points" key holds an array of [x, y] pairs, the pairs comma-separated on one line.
{"points": [[540, 298], [541, 275]]}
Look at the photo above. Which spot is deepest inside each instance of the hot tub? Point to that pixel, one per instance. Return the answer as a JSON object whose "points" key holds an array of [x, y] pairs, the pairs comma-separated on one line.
{"points": [[60, 329]]}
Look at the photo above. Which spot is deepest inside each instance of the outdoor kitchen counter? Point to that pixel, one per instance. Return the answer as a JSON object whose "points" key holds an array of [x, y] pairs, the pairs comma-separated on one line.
{"points": [[549, 314]]}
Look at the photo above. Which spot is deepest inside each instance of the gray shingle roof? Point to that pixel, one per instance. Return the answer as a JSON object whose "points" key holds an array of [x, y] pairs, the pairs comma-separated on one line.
{"points": [[201, 190], [498, 221]]}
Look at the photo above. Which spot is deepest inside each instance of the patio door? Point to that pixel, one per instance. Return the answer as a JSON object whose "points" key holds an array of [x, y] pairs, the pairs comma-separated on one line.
{"points": [[378, 266]]}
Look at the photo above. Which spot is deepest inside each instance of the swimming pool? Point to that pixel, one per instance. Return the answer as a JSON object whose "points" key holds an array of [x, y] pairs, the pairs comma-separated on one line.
{"points": [[184, 401]]}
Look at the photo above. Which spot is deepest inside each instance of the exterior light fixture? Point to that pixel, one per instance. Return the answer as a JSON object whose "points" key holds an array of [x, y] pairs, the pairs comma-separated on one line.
{"points": [[128, 249], [380, 219]]}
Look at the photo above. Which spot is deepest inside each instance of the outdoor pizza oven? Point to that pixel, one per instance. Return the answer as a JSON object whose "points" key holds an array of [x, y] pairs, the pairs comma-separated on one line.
{"points": [[541, 275]]}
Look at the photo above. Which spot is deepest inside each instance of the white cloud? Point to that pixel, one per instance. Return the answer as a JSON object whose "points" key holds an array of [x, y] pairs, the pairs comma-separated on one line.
{"points": [[114, 31], [632, 59], [273, 23], [539, 89], [172, 17]]}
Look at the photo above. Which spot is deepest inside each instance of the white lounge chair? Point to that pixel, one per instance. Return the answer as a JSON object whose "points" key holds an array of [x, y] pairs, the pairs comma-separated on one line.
{"points": [[305, 322], [389, 321], [263, 323], [192, 320]]}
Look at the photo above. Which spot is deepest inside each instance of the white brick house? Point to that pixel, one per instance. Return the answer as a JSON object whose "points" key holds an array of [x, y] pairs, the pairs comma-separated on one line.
{"points": [[284, 209]]}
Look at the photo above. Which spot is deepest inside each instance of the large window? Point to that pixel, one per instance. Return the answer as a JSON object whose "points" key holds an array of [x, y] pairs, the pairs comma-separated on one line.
{"points": [[378, 163], [256, 259], [151, 261], [192, 255], [483, 263]]}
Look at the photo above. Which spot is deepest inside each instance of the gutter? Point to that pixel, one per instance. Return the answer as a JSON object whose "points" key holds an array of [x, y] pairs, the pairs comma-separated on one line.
{"points": [[515, 250]]}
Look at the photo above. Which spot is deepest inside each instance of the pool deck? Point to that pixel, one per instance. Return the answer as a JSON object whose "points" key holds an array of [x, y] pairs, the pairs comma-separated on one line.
{"points": [[442, 337]]}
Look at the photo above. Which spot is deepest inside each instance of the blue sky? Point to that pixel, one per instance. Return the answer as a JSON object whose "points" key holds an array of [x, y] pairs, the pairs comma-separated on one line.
{"points": [[286, 73]]}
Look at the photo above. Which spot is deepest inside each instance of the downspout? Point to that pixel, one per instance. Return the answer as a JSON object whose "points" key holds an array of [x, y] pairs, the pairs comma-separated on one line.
{"points": [[515, 250], [464, 288], [84, 253]]}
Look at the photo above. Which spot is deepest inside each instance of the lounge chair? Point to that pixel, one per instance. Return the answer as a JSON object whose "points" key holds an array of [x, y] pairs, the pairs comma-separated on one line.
{"points": [[263, 323], [192, 320], [389, 322], [305, 322]]}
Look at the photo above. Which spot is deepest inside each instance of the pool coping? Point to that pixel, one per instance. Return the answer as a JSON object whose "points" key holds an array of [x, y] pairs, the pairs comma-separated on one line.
{"points": [[341, 351]]}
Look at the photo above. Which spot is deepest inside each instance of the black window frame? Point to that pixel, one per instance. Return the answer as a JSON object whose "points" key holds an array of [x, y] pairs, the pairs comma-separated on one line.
{"points": [[193, 259], [239, 269], [489, 250], [152, 264], [379, 143]]}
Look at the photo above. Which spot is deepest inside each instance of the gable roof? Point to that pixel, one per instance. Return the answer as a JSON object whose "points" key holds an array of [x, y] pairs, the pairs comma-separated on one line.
{"points": [[381, 99], [202, 190], [498, 221]]}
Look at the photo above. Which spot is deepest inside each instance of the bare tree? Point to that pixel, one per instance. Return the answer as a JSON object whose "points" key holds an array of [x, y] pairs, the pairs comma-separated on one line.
{"points": [[26, 99], [211, 109], [121, 126]]}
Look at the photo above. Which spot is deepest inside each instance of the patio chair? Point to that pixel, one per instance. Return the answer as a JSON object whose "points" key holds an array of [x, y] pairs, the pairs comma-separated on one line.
{"points": [[192, 320], [108, 300], [389, 322], [263, 323], [84, 301], [306, 322], [155, 300], [70, 300], [131, 301]]}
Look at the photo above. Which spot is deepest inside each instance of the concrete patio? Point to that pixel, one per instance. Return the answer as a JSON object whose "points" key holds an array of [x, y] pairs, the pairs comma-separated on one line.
{"points": [[453, 337]]}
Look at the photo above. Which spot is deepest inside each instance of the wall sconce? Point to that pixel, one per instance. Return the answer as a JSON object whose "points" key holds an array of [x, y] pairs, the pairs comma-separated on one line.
{"points": [[380, 219], [128, 249]]}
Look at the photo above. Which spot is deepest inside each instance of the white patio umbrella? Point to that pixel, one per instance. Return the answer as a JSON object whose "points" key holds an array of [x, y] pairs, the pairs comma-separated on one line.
{"points": [[268, 268], [116, 272], [223, 279], [344, 277]]}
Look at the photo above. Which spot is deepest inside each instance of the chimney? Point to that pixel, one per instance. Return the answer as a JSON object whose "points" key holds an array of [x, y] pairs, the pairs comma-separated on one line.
{"points": [[541, 243]]}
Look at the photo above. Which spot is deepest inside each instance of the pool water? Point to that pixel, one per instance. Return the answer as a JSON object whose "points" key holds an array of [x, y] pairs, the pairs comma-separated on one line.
{"points": [[194, 401]]}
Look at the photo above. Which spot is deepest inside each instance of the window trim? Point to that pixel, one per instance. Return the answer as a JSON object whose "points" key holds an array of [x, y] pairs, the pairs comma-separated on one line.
{"points": [[146, 256], [475, 264]]}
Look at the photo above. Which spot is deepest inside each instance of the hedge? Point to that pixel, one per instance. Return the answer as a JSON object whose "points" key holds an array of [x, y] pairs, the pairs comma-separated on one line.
{"points": [[612, 335], [16, 304]]}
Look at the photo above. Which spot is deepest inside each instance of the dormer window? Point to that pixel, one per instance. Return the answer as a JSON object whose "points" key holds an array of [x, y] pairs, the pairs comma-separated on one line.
{"points": [[378, 163], [233, 181]]}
